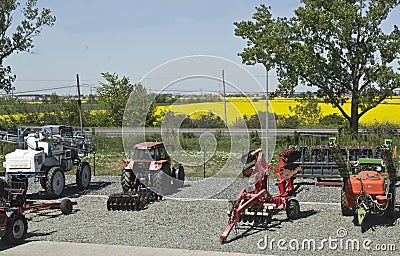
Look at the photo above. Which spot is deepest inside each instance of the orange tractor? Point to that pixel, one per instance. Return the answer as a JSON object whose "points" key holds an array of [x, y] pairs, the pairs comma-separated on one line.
{"points": [[368, 184]]}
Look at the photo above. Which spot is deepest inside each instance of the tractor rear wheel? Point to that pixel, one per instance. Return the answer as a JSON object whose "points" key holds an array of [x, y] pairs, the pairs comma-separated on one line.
{"points": [[346, 211], [55, 182], [16, 229], [292, 209], [83, 175], [127, 180]]}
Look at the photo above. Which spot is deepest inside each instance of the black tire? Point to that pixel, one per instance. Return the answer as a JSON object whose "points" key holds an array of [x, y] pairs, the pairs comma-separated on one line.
{"points": [[43, 182], [55, 182], [83, 175], [292, 209], [346, 211], [181, 173], [109, 204], [66, 206], [391, 210], [16, 229], [127, 180]]}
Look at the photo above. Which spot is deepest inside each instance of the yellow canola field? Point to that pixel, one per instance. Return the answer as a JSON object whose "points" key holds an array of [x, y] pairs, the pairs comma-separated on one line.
{"points": [[238, 107]]}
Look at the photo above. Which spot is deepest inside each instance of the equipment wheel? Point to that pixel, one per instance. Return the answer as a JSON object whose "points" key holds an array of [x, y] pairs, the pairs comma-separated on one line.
{"points": [[391, 210], [83, 175], [16, 229], [66, 206], [346, 211], [292, 209], [127, 180], [55, 182]]}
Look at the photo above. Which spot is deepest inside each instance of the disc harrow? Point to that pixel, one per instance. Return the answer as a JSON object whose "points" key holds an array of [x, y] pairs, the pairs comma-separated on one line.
{"points": [[131, 201]]}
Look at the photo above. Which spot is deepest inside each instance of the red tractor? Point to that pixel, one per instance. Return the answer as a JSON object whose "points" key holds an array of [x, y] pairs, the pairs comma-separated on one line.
{"points": [[146, 177], [258, 205]]}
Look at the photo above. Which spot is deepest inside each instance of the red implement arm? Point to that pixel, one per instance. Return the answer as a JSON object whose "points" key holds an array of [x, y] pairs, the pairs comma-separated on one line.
{"points": [[260, 196]]}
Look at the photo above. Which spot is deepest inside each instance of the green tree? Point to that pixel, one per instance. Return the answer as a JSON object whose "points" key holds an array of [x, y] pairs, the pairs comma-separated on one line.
{"points": [[114, 95], [337, 46], [21, 38]]}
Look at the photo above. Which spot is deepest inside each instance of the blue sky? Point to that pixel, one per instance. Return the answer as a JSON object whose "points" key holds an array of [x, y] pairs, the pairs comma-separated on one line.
{"points": [[131, 38]]}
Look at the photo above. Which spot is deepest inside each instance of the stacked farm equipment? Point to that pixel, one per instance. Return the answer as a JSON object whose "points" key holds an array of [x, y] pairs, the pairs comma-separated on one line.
{"points": [[257, 206], [46, 153], [146, 177], [368, 184], [318, 162]]}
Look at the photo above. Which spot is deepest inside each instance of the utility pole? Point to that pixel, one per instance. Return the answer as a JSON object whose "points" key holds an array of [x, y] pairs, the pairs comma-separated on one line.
{"points": [[79, 103], [223, 85], [266, 114]]}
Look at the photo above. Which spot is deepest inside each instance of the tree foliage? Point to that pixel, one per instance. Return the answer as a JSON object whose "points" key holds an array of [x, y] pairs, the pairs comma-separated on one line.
{"points": [[113, 96], [21, 38], [118, 96], [337, 46]]}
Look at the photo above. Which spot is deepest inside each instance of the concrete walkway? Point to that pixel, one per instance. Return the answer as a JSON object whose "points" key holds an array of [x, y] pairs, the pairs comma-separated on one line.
{"points": [[44, 248]]}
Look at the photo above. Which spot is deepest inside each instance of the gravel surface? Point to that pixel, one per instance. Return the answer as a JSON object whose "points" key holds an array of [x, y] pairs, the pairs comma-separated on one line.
{"points": [[197, 224]]}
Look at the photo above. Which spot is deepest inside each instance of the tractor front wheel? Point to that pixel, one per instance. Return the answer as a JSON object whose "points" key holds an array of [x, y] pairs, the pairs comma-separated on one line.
{"points": [[55, 182], [16, 229], [292, 209], [391, 210], [83, 175], [346, 211], [179, 175]]}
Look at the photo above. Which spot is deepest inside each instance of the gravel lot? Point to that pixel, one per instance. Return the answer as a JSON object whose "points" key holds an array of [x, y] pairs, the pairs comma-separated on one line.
{"points": [[197, 224]]}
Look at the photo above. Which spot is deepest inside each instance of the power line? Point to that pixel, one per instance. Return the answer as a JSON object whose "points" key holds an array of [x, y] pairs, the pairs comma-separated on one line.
{"points": [[45, 89]]}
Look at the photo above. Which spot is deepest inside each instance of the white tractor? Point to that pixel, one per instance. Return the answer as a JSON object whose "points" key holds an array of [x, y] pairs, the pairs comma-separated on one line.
{"points": [[46, 153]]}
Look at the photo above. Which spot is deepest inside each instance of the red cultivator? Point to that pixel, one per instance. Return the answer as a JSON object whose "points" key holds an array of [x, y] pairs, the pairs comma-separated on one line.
{"points": [[258, 205]]}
